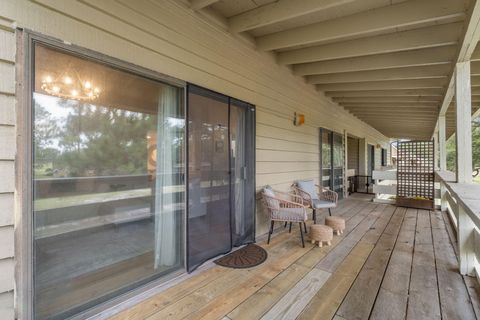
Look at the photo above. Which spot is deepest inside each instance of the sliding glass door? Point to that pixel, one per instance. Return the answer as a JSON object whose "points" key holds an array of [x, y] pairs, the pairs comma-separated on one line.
{"points": [[108, 181], [208, 174], [332, 160], [220, 173]]}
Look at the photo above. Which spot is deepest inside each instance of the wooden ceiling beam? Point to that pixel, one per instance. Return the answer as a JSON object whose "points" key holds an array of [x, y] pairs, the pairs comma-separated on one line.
{"points": [[409, 14], [422, 72], [402, 99], [434, 36], [415, 58], [200, 4], [387, 93], [279, 11], [384, 85]]}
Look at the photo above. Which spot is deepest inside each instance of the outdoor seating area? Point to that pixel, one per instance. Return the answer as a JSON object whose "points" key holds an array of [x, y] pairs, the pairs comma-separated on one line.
{"points": [[240, 159], [390, 263], [292, 207]]}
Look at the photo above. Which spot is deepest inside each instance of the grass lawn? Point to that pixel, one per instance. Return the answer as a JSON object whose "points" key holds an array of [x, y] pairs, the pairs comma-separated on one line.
{"points": [[477, 179]]}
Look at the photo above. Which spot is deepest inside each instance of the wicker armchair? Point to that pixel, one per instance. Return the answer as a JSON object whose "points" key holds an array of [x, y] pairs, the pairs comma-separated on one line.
{"points": [[315, 196], [285, 207]]}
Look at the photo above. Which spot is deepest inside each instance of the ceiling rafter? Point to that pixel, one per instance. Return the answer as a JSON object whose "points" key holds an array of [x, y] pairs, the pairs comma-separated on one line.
{"points": [[279, 11], [410, 14], [428, 37], [422, 72], [414, 58]]}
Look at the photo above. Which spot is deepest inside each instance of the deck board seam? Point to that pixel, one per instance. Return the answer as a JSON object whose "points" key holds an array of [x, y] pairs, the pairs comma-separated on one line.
{"points": [[361, 269], [411, 264], [436, 265], [389, 258], [346, 234]]}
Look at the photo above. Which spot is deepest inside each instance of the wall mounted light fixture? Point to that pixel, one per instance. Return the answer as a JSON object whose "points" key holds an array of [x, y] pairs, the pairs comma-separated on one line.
{"points": [[298, 119]]}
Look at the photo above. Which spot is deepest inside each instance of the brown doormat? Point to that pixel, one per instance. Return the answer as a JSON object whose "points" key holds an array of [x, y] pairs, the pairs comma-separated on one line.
{"points": [[246, 257]]}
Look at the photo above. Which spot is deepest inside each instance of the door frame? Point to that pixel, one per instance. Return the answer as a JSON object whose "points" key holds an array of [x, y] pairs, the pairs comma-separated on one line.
{"points": [[187, 179], [23, 234]]}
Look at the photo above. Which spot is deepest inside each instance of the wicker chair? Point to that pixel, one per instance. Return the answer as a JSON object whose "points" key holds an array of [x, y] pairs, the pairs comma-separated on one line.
{"points": [[309, 191], [285, 207]]}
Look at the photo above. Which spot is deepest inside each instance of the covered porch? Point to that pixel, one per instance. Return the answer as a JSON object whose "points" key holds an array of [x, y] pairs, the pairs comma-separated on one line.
{"points": [[118, 198], [390, 263]]}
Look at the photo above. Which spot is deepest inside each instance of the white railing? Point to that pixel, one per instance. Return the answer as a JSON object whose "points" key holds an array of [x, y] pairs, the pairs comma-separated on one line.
{"points": [[385, 187], [462, 202]]}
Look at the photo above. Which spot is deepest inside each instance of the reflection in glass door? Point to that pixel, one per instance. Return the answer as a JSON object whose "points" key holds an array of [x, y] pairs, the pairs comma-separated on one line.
{"points": [[242, 166], [208, 174], [107, 180], [332, 160], [338, 163], [221, 175]]}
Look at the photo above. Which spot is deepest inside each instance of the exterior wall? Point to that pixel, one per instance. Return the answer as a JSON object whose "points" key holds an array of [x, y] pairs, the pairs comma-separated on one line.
{"points": [[166, 36], [7, 174], [353, 153]]}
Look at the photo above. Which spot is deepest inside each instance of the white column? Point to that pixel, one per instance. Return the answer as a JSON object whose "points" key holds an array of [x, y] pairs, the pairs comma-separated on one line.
{"points": [[442, 144], [463, 99]]}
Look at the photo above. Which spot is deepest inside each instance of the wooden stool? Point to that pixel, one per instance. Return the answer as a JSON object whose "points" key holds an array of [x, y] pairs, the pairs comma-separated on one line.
{"points": [[336, 223], [321, 234]]}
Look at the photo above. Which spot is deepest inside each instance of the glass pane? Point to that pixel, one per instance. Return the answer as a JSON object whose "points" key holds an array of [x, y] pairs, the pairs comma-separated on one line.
{"points": [[209, 180], [242, 163], [108, 149], [326, 157], [338, 163]]}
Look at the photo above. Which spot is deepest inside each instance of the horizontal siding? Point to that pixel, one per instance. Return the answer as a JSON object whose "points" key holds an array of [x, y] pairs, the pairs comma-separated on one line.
{"points": [[6, 275], [7, 168], [7, 109], [166, 36], [6, 242], [6, 209], [6, 305]]}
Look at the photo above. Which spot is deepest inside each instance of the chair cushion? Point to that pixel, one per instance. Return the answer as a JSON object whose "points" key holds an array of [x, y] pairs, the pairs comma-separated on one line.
{"points": [[273, 203], [318, 204], [290, 214], [309, 187]]}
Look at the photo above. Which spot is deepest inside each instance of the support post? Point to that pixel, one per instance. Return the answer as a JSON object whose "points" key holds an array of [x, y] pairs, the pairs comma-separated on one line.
{"points": [[463, 99], [442, 144], [465, 243]]}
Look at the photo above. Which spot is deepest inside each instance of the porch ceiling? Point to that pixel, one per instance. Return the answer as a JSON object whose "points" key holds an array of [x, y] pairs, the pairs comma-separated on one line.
{"points": [[388, 62]]}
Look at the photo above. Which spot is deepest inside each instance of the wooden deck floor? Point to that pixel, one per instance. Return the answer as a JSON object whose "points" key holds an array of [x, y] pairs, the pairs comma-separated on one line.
{"points": [[391, 263]]}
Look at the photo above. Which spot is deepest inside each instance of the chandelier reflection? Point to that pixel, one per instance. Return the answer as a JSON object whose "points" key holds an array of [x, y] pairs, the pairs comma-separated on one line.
{"points": [[70, 87]]}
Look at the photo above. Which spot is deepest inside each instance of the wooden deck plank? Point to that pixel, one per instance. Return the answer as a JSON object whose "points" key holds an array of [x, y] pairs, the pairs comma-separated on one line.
{"points": [[294, 278], [327, 300], [222, 286], [340, 252], [361, 297], [183, 289], [291, 304], [259, 303], [391, 303], [454, 297], [423, 302]]}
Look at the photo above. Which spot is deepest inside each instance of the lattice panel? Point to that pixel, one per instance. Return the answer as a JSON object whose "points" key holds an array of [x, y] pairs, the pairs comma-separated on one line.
{"points": [[415, 170]]}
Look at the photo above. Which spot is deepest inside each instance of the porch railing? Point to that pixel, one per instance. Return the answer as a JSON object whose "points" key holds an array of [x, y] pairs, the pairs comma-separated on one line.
{"points": [[462, 202]]}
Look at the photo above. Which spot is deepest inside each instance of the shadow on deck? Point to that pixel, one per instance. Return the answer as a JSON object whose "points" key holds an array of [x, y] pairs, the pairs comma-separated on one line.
{"points": [[391, 263]]}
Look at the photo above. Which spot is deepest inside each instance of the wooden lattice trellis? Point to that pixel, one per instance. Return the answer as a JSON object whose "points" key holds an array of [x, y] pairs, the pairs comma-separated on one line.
{"points": [[415, 174]]}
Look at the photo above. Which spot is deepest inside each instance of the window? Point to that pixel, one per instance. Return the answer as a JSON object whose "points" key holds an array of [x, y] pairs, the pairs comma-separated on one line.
{"points": [[108, 181], [384, 157]]}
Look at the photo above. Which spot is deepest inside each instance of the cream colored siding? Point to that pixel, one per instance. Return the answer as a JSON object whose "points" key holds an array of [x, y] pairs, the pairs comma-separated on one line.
{"points": [[168, 37], [7, 169], [352, 154]]}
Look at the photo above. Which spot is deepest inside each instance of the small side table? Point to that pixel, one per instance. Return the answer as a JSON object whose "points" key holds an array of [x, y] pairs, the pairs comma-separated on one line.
{"points": [[336, 223], [320, 233]]}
